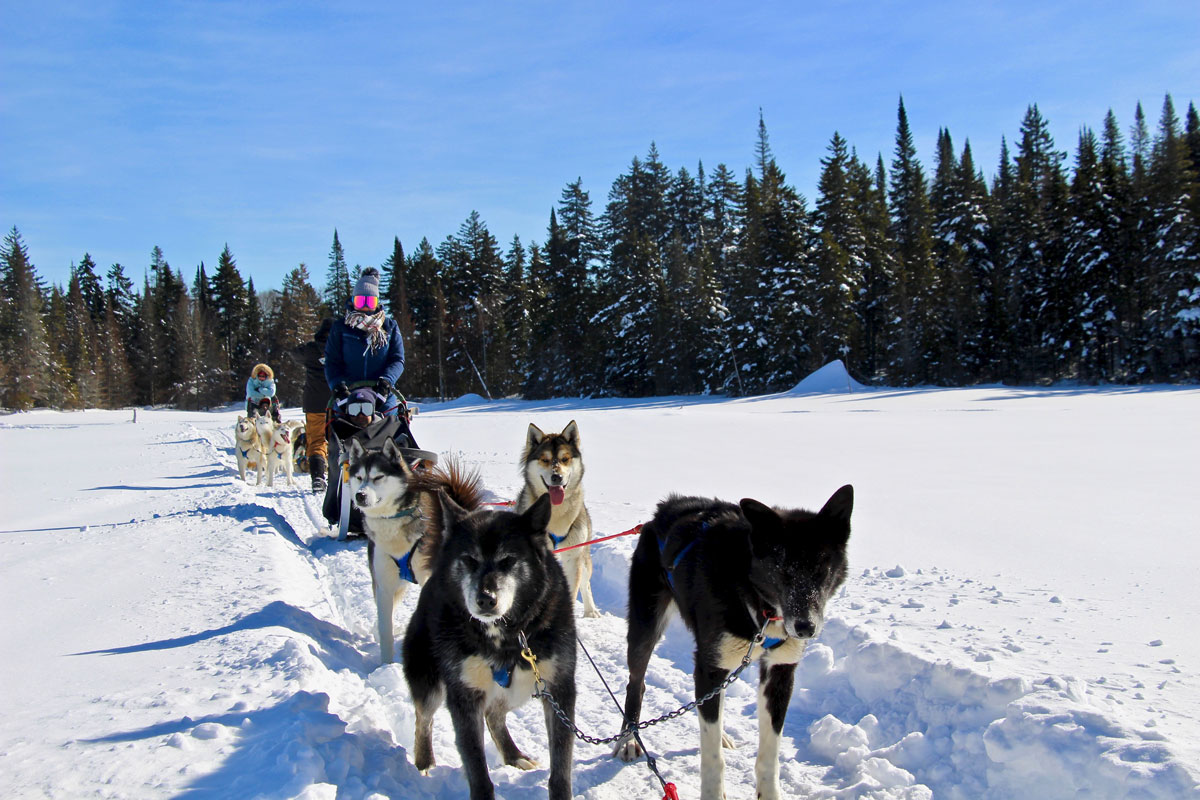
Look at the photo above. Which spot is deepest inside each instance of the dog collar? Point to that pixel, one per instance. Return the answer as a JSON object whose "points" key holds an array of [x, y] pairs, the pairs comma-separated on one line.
{"points": [[404, 512], [558, 539]]}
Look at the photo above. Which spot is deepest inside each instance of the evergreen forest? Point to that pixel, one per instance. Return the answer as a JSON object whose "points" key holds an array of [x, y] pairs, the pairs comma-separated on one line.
{"points": [[689, 282]]}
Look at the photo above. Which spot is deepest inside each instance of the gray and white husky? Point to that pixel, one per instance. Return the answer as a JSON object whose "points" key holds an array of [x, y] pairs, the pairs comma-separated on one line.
{"points": [[552, 464], [732, 571], [402, 520]]}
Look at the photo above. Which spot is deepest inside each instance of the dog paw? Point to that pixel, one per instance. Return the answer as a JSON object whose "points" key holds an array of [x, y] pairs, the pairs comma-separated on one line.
{"points": [[523, 762], [727, 742], [591, 613], [627, 750]]}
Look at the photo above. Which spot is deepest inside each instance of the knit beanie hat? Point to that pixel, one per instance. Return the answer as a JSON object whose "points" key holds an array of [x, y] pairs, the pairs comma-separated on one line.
{"points": [[368, 283]]}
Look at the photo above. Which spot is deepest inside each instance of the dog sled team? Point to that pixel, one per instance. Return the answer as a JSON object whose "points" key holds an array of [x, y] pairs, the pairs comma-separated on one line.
{"points": [[494, 624]]}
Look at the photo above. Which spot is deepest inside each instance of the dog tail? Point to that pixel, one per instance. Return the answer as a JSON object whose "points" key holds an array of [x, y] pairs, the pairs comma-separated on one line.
{"points": [[464, 487]]}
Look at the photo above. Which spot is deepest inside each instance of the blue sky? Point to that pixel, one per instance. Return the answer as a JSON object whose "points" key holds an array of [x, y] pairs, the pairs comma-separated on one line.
{"points": [[189, 125]]}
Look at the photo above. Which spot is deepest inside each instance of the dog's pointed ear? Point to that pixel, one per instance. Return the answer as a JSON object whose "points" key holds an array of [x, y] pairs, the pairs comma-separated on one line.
{"points": [[391, 451], [537, 516], [837, 511], [356, 450], [571, 433], [765, 524], [452, 512], [534, 436], [839, 506]]}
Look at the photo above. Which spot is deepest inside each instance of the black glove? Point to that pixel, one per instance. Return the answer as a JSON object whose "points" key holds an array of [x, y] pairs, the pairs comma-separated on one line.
{"points": [[383, 387], [341, 391]]}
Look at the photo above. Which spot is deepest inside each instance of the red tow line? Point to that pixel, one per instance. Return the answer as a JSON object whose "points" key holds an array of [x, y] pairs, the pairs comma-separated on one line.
{"points": [[635, 529], [670, 793]]}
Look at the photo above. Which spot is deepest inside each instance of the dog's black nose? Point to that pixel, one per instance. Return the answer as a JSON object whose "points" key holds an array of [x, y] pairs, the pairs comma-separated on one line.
{"points": [[803, 629], [360, 498], [486, 601], [556, 479]]}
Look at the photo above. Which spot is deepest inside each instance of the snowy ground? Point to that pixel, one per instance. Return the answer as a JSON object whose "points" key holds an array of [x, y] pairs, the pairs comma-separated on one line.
{"points": [[1019, 621]]}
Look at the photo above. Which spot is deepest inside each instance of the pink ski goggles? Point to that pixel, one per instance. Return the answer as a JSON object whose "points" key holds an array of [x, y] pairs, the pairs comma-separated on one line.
{"points": [[366, 302]]}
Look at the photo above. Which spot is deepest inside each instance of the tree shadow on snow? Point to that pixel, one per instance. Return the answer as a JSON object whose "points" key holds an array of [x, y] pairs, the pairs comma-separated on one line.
{"points": [[335, 646]]}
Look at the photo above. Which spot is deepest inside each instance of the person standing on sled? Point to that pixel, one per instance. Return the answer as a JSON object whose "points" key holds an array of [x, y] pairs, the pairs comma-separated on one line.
{"points": [[365, 346], [311, 356], [260, 393]]}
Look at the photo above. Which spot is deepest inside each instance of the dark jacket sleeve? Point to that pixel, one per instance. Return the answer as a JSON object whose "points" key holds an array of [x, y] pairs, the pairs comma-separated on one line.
{"points": [[335, 365], [393, 368]]}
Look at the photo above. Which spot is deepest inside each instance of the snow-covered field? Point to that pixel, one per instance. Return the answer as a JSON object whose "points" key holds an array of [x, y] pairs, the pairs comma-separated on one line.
{"points": [[1020, 620]]}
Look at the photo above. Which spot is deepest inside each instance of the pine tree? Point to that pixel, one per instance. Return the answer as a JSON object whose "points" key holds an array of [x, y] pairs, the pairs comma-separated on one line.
{"points": [[634, 279], [723, 220], [1118, 233], [59, 383], [231, 306], [961, 264], [515, 316], [870, 195], [117, 379], [252, 332], [1091, 265], [24, 348], [82, 353], [839, 257], [1174, 274], [910, 300], [90, 288], [1040, 195], [337, 279]]}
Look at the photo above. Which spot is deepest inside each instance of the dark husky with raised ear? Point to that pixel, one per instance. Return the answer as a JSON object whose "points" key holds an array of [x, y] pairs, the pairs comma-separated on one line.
{"points": [[495, 578], [728, 569]]}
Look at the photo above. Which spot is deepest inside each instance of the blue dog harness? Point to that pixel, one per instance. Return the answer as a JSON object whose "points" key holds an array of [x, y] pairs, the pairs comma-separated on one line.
{"points": [[502, 676], [404, 562], [558, 539], [769, 642]]}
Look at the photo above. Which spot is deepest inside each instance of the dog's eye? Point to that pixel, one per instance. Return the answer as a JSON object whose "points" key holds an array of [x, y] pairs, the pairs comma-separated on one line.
{"points": [[565, 460], [506, 563], [470, 562]]}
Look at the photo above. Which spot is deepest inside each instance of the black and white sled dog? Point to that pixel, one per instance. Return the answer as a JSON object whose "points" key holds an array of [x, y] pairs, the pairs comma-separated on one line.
{"points": [[496, 585], [728, 569], [552, 464], [402, 520]]}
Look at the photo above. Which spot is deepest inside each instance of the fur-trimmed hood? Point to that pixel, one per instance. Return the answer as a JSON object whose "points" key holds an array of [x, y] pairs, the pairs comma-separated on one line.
{"points": [[263, 368]]}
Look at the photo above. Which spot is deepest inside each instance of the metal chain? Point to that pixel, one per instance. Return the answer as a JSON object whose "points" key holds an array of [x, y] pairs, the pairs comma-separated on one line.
{"points": [[544, 694]]}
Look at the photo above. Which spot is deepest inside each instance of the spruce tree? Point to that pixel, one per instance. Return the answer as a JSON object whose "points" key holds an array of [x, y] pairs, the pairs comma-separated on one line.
{"points": [[230, 304], [80, 347], [1174, 277], [24, 348], [1091, 265], [839, 257], [870, 195], [90, 288], [910, 301], [337, 279]]}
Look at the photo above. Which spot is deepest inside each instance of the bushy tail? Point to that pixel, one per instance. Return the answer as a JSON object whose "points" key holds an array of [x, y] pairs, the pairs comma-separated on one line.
{"points": [[464, 487]]}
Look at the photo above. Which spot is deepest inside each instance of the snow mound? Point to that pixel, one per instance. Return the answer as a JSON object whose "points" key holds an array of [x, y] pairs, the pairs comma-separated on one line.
{"points": [[465, 401], [831, 378]]}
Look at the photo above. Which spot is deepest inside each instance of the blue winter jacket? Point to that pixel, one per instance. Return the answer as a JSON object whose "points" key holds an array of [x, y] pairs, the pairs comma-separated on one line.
{"points": [[257, 390], [349, 359]]}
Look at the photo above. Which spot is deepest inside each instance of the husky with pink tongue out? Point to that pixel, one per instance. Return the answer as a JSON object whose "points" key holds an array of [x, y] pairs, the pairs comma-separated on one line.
{"points": [[552, 464]]}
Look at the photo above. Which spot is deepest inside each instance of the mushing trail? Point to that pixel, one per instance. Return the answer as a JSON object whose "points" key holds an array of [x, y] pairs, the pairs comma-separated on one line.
{"points": [[886, 704]]}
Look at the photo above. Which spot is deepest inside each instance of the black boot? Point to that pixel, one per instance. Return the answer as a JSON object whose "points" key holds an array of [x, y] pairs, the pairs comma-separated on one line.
{"points": [[317, 469]]}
